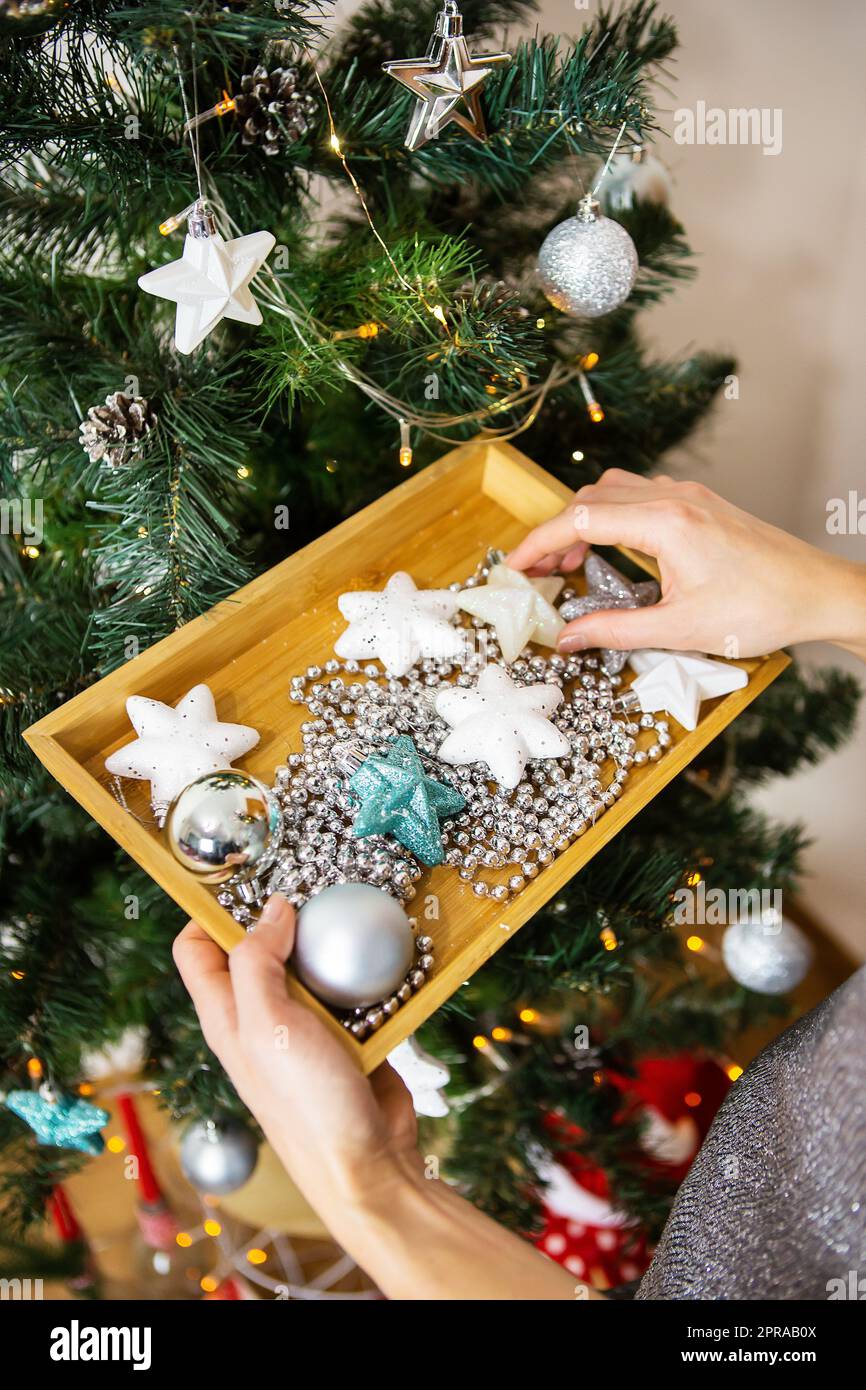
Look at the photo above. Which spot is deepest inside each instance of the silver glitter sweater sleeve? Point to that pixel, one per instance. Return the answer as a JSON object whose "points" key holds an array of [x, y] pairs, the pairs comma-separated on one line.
{"points": [[774, 1205]]}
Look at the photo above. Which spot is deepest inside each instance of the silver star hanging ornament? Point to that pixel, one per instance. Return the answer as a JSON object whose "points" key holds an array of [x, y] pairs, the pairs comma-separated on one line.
{"points": [[607, 588], [446, 77], [211, 280]]}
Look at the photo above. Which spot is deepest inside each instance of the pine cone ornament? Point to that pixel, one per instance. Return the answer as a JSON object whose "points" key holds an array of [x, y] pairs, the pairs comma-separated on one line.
{"points": [[116, 431], [272, 109]]}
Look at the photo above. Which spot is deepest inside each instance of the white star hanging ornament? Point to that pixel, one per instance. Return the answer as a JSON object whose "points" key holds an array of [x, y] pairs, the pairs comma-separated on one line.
{"points": [[519, 609], [501, 724], [423, 1076], [399, 625], [678, 681], [211, 280], [175, 746], [448, 75]]}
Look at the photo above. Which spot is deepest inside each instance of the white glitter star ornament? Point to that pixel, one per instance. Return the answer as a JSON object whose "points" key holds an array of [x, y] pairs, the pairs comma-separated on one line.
{"points": [[679, 681], [447, 76], [519, 609], [423, 1076], [211, 280], [400, 624], [174, 746], [501, 724]]}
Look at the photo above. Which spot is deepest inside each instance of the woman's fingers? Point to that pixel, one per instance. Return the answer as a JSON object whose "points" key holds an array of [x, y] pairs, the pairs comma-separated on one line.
{"points": [[640, 525], [203, 967], [258, 971], [622, 629]]}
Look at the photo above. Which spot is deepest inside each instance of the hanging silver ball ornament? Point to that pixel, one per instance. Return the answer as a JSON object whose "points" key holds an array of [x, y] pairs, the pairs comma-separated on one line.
{"points": [[353, 945], [218, 1157], [769, 955], [224, 825], [588, 263], [634, 176]]}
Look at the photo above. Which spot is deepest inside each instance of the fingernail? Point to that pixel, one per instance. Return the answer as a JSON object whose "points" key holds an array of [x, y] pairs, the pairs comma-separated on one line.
{"points": [[275, 910], [573, 643]]}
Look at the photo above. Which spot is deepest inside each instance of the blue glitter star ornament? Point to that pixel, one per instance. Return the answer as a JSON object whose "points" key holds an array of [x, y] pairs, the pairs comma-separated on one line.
{"points": [[396, 797], [67, 1122]]}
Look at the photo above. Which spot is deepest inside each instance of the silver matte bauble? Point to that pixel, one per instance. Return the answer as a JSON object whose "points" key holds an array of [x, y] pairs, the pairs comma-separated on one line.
{"points": [[769, 956], [224, 825], [353, 945], [634, 176], [588, 264], [218, 1158]]}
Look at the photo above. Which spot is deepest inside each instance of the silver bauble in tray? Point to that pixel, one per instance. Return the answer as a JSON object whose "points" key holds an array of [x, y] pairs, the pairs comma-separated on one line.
{"points": [[218, 1157], [353, 945], [588, 263], [224, 825]]}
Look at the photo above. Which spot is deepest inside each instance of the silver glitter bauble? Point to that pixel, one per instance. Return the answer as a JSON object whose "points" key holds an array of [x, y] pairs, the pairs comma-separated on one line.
{"points": [[224, 825], [769, 956], [587, 264], [218, 1158], [353, 945]]}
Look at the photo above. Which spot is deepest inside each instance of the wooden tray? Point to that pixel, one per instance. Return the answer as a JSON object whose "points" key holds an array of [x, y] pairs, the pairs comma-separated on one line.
{"points": [[437, 525]]}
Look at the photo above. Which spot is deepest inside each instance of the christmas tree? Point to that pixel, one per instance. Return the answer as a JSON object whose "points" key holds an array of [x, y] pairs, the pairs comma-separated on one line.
{"points": [[141, 484]]}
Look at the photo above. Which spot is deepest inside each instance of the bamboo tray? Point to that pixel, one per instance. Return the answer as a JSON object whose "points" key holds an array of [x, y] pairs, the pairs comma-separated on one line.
{"points": [[437, 525]]}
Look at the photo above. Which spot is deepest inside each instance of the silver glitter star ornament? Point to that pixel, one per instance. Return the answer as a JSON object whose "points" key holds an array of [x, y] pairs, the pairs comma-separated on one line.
{"points": [[447, 79], [607, 588], [588, 263], [211, 280]]}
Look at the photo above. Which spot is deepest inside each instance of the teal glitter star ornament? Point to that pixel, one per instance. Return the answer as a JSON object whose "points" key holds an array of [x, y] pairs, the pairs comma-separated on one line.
{"points": [[64, 1121], [396, 797]]}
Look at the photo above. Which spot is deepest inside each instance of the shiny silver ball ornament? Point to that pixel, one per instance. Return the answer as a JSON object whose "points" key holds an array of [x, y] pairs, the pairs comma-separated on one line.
{"points": [[224, 825], [634, 176], [353, 945], [768, 955], [588, 263], [218, 1158]]}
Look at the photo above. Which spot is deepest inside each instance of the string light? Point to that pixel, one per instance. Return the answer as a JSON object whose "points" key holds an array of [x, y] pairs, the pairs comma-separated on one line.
{"points": [[256, 1256], [405, 446], [692, 1099], [528, 1015], [480, 1042], [693, 879], [500, 1034], [86, 1088], [116, 1144], [212, 1228], [607, 937], [34, 1068], [734, 1071], [208, 1284], [578, 455], [31, 551], [589, 361], [17, 974], [695, 943], [183, 1239], [364, 330], [243, 471], [172, 223], [594, 410]]}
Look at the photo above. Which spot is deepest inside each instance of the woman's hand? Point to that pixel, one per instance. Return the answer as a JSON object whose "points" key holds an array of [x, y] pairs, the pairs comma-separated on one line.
{"points": [[343, 1138], [348, 1141], [731, 584]]}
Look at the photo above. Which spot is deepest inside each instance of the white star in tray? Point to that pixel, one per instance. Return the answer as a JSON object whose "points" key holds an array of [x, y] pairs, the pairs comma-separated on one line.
{"points": [[501, 724], [679, 681], [400, 624]]}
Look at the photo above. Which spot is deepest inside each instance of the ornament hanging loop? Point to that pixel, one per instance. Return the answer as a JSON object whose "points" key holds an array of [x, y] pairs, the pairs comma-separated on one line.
{"points": [[587, 209], [449, 21]]}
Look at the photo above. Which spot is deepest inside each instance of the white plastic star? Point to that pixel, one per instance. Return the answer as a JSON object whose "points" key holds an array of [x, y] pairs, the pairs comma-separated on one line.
{"points": [[422, 1075], [679, 681], [400, 624], [174, 746], [519, 609], [210, 282], [500, 724]]}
